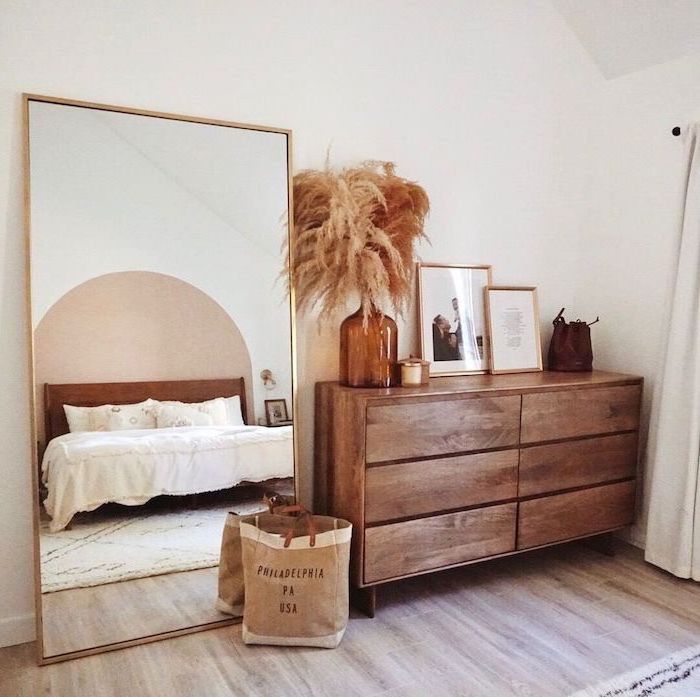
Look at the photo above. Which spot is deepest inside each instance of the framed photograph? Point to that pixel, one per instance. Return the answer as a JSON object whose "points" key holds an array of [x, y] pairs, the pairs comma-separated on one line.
{"points": [[514, 329], [276, 411], [452, 319]]}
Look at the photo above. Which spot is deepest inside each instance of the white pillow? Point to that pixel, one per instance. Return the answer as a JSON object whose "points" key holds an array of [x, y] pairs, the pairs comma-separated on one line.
{"points": [[111, 417], [172, 416], [233, 411], [210, 413], [78, 418]]}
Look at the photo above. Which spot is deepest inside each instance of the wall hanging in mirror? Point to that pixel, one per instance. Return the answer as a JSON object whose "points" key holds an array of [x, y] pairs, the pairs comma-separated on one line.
{"points": [[354, 236], [514, 329], [155, 299], [452, 321]]}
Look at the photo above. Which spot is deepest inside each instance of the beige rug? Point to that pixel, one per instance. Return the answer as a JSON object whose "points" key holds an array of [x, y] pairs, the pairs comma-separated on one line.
{"points": [[102, 549], [675, 675]]}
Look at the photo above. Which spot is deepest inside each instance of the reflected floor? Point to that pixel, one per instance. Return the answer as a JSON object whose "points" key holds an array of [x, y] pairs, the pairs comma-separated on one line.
{"points": [[81, 618], [160, 562]]}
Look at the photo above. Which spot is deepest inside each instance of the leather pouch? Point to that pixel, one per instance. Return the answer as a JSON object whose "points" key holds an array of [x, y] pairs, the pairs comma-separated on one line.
{"points": [[570, 349]]}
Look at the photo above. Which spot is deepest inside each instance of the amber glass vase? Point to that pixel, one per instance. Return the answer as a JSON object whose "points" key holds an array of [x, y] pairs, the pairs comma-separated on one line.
{"points": [[368, 355]]}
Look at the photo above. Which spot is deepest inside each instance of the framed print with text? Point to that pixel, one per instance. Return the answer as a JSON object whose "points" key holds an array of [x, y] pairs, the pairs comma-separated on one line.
{"points": [[452, 319], [514, 328]]}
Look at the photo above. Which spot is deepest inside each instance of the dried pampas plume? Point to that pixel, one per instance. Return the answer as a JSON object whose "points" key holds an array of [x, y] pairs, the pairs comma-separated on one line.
{"points": [[354, 232]]}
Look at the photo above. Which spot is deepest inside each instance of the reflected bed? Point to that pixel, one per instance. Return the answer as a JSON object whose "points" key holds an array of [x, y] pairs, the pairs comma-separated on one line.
{"points": [[84, 470]]}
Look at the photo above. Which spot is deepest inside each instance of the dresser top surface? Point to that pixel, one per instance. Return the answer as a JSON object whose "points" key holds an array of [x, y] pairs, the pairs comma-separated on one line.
{"points": [[516, 382]]}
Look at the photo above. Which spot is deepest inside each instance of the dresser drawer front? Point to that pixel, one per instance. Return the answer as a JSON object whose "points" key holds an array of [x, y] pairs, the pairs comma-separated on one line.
{"points": [[565, 516], [423, 429], [571, 413], [415, 488], [399, 549], [557, 466]]}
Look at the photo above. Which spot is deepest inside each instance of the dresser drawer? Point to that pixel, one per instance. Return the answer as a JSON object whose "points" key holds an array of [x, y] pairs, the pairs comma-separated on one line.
{"points": [[415, 488], [565, 516], [577, 463], [571, 413], [413, 546], [422, 429]]}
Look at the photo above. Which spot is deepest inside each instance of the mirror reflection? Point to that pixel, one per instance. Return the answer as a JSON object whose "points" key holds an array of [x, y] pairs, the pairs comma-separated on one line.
{"points": [[162, 360]]}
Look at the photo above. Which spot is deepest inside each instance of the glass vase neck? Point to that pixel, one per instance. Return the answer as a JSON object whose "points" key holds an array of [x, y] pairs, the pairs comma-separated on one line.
{"points": [[374, 311]]}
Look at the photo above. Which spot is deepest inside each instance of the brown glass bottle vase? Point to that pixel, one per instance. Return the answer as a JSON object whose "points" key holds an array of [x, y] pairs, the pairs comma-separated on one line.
{"points": [[368, 354]]}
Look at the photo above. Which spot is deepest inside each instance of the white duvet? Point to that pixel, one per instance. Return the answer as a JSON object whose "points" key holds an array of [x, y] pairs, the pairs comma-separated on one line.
{"points": [[82, 471]]}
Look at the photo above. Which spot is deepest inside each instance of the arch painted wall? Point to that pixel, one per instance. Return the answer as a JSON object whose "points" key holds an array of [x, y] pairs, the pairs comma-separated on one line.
{"points": [[137, 325]]}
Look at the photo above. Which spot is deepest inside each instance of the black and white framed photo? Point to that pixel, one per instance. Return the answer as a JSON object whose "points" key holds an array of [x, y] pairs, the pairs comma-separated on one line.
{"points": [[276, 412], [452, 319], [514, 329]]}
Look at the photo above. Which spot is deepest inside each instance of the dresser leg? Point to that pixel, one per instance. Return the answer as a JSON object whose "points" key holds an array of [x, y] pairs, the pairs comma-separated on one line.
{"points": [[603, 544], [364, 599]]}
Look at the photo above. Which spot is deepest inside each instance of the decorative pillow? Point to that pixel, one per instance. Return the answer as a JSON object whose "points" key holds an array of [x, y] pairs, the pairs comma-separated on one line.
{"points": [[171, 416], [210, 413], [111, 417]]}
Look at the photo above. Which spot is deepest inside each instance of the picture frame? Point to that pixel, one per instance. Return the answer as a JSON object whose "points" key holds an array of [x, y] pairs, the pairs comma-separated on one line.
{"points": [[452, 318], [514, 329], [276, 412]]}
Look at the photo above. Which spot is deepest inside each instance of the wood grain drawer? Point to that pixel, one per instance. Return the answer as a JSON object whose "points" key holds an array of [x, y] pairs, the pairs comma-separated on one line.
{"points": [[571, 413], [577, 463], [399, 549], [415, 488], [565, 516], [423, 429]]}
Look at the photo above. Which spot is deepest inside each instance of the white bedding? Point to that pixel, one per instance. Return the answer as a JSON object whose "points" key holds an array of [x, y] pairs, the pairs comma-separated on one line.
{"points": [[82, 471]]}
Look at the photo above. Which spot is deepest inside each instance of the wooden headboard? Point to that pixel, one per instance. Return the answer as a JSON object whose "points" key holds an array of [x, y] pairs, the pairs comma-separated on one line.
{"points": [[96, 393]]}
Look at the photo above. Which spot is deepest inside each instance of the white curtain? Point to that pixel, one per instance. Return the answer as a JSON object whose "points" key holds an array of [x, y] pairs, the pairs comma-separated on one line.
{"points": [[673, 528]]}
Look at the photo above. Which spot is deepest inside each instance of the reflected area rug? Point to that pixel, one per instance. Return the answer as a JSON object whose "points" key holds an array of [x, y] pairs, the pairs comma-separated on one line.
{"points": [[675, 675], [104, 547]]}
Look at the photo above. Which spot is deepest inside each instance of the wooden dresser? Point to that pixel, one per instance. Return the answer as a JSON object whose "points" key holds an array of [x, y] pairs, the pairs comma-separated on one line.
{"points": [[475, 467]]}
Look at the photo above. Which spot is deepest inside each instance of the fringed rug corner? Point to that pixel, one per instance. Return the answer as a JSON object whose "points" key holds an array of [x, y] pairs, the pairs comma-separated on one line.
{"points": [[671, 676]]}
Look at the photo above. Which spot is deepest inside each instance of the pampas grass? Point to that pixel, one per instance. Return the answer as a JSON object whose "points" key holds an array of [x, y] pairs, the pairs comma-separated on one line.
{"points": [[354, 233]]}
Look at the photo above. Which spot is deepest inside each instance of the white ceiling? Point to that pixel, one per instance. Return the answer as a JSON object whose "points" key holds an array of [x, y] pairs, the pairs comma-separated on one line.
{"points": [[623, 36]]}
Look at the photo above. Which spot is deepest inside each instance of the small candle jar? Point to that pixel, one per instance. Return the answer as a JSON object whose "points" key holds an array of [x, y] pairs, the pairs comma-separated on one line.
{"points": [[411, 374]]}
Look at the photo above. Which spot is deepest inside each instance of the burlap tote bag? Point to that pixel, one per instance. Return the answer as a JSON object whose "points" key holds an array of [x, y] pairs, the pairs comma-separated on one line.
{"points": [[296, 579], [231, 595], [231, 586]]}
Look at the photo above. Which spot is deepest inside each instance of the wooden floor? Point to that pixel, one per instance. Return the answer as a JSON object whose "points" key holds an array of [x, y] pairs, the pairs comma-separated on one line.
{"points": [[81, 618], [546, 623]]}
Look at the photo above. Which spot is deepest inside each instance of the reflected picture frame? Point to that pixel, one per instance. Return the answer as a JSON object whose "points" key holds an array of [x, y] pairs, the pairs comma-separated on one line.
{"points": [[452, 319], [513, 319], [276, 412]]}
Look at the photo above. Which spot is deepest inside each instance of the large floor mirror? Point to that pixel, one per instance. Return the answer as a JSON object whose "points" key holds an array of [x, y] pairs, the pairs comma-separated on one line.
{"points": [[163, 364]]}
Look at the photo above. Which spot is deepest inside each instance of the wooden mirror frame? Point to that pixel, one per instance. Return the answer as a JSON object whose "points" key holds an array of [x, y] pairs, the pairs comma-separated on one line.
{"points": [[27, 98]]}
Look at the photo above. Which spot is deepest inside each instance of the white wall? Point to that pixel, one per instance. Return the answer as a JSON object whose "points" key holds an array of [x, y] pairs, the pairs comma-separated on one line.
{"points": [[486, 103], [630, 238]]}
